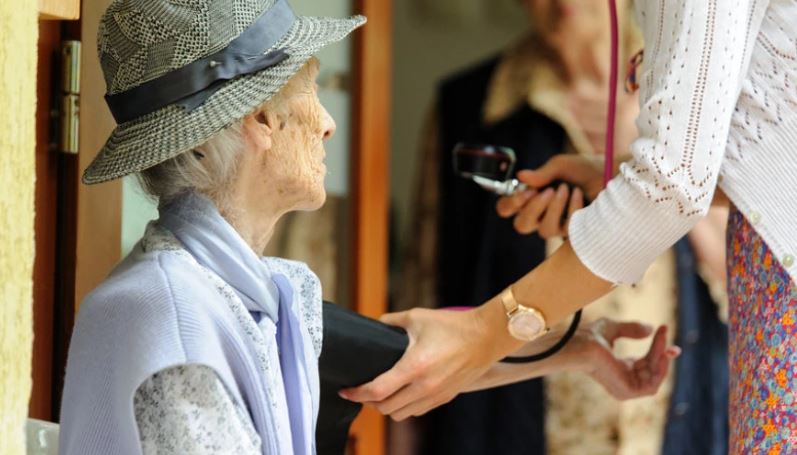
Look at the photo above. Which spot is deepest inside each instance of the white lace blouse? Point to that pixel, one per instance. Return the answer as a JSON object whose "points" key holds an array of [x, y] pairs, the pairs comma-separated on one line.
{"points": [[718, 106]]}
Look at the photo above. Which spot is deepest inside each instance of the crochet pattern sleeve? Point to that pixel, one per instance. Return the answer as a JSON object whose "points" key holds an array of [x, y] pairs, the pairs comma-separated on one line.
{"points": [[696, 57], [187, 409]]}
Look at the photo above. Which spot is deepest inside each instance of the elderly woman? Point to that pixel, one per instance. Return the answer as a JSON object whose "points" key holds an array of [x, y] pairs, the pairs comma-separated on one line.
{"points": [[196, 343]]}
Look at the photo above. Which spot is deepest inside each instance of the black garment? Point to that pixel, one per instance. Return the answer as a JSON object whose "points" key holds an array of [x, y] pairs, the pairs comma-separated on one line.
{"points": [[356, 350], [697, 421], [479, 255]]}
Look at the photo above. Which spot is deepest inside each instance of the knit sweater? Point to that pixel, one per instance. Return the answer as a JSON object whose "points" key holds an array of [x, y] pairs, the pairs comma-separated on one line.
{"points": [[718, 106], [159, 309]]}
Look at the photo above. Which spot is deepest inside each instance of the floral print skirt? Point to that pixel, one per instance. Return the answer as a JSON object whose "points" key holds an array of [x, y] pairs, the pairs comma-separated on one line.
{"points": [[763, 346]]}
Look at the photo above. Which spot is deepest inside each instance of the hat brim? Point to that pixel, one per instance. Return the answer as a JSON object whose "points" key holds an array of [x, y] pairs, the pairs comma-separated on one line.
{"points": [[161, 135]]}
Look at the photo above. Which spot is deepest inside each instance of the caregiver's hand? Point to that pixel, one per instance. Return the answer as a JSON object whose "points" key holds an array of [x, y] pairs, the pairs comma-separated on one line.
{"points": [[542, 210], [448, 351]]}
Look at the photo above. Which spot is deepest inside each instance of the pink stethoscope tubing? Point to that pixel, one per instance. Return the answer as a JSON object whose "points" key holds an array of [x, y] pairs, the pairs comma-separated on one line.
{"points": [[608, 169]]}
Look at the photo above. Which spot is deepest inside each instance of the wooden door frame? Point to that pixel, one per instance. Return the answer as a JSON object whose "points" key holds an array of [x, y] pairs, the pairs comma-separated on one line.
{"points": [[370, 175], [99, 207], [53, 273], [73, 252], [45, 225]]}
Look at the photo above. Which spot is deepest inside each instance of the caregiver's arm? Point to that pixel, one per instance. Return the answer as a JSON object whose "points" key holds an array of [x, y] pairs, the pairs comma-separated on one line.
{"points": [[697, 56], [450, 350]]}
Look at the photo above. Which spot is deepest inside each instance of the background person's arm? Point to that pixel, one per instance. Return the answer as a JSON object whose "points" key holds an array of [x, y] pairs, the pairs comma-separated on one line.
{"points": [[591, 352]]}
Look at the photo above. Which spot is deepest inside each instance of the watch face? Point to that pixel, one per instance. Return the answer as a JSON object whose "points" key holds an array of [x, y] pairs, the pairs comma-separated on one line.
{"points": [[526, 325]]}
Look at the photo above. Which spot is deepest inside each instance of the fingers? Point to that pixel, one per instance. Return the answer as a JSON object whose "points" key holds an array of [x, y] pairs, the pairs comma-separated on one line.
{"points": [[662, 366], [528, 219], [414, 400], [420, 408], [635, 330], [553, 169], [510, 205], [551, 224], [398, 401], [384, 386], [654, 375], [400, 319], [570, 168], [629, 379], [652, 370], [576, 201], [621, 379], [657, 348]]}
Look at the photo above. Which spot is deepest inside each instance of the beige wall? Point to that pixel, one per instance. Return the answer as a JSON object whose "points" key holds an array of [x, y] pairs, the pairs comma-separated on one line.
{"points": [[18, 34], [432, 39]]}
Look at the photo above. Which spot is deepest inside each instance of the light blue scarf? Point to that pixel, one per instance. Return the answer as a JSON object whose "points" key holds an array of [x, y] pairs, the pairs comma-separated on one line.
{"points": [[196, 222]]}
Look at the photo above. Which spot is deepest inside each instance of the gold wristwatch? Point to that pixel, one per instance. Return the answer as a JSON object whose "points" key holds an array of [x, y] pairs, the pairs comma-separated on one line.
{"points": [[524, 323]]}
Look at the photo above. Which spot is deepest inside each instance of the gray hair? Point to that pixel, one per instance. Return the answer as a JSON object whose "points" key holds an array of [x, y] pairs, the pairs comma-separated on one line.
{"points": [[208, 168]]}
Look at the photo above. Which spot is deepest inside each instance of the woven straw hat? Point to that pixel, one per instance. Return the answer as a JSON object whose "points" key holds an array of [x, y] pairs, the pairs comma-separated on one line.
{"points": [[142, 43]]}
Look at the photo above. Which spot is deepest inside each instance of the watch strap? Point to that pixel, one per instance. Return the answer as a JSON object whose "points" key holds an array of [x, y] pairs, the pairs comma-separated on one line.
{"points": [[508, 300]]}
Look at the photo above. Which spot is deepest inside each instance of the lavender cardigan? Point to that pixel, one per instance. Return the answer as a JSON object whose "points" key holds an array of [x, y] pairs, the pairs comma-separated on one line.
{"points": [[160, 308]]}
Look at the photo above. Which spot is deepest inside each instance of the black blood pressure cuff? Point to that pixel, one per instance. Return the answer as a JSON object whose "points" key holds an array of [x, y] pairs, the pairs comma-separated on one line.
{"points": [[356, 350]]}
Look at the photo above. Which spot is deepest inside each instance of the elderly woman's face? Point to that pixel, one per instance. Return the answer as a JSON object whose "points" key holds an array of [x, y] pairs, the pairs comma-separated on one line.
{"points": [[292, 166]]}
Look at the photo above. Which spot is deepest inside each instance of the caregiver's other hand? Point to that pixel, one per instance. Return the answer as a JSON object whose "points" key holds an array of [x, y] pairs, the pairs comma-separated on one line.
{"points": [[448, 351], [548, 212]]}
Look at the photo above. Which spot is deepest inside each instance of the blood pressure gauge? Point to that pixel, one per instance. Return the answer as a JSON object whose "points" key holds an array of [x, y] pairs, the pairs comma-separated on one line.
{"points": [[490, 166]]}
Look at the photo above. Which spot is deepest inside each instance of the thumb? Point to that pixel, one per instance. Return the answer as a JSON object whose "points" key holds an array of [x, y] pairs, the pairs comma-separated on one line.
{"points": [[541, 177], [396, 319], [635, 330], [568, 168], [556, 168], [383, 387]]}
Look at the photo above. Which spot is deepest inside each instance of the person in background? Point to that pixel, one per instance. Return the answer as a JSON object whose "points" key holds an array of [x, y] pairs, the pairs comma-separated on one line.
{"points": [[546, 95]]}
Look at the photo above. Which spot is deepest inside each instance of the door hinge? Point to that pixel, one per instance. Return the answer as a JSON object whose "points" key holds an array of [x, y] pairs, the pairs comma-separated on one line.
{"points": [[69, 94]]}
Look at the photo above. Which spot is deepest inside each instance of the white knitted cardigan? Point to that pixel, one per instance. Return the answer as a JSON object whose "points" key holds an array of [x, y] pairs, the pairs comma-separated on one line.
{"points": [[718, 106]]}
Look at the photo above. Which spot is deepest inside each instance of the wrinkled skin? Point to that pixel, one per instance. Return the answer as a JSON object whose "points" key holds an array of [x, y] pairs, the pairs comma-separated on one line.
{"points": [[293, 134], [282, 168]]}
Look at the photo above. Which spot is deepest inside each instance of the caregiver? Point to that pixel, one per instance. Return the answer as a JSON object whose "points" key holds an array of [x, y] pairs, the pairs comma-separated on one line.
{"points": [[718, 107]]}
